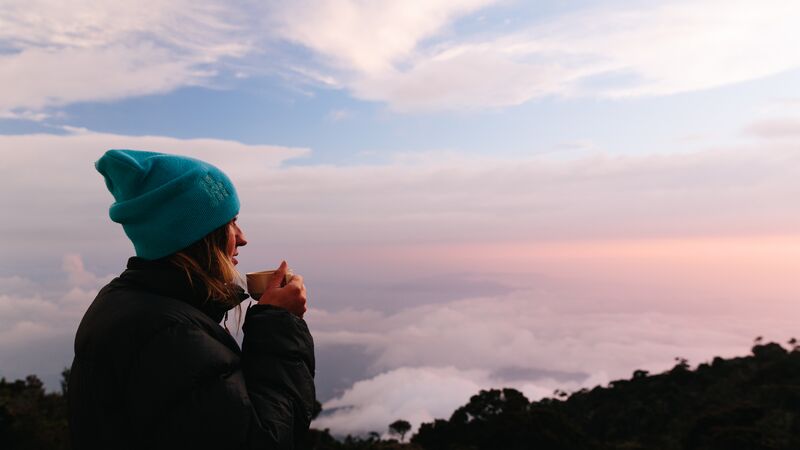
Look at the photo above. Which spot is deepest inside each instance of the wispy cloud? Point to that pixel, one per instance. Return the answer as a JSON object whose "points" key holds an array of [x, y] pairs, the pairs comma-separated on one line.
{"points": [[409, 55], [48, 77], [338, 115], [56, 54], [367, 37], [636, 50], [782, 128]]}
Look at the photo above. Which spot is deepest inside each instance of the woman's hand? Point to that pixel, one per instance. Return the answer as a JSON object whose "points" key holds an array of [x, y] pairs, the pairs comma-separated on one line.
{"points": [[291, 297]]}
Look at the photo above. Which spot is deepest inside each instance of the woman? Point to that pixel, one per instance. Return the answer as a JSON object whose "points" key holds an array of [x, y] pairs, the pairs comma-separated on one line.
{"points": [[153, 368]]}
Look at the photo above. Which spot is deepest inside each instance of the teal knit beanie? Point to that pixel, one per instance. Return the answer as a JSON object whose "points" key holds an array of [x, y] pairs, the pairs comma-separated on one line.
{"points": [[166, 202]]}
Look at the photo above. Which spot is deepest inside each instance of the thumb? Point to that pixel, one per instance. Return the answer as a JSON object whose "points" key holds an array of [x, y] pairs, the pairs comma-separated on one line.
{"points": [[278, 276]]}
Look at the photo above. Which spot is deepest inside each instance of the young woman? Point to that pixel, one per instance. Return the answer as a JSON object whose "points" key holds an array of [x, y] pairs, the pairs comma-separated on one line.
{"points": [[153, 368]]}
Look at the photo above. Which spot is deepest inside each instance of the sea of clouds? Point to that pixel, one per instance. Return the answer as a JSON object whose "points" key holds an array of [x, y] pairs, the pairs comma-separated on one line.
{"points": [[434, 276]]}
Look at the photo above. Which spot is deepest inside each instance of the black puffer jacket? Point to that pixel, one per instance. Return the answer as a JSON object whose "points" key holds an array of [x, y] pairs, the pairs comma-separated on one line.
{"points": [[154, 369]]}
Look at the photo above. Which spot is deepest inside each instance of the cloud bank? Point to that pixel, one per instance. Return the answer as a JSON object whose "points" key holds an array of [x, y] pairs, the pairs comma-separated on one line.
{"points": [[599, 264], [429, 360], [746, 190]]}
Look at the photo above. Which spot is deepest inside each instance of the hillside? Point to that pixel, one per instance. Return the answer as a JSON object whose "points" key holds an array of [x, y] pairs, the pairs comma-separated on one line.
{"points": [[742, 403]]}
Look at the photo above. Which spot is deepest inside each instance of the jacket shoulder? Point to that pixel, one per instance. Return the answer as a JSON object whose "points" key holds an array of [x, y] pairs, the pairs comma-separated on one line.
{"points": [[123, 317]]}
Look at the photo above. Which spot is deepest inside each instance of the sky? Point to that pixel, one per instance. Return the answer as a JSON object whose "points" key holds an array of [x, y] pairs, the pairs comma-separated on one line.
{"points": [[541, 195]]}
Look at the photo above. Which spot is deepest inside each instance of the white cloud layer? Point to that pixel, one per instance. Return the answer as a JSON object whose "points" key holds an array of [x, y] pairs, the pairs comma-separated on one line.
{"points": [[54, 77], [414, 394], [367, 37], [411, 55], [57, 53], [432, 358]]}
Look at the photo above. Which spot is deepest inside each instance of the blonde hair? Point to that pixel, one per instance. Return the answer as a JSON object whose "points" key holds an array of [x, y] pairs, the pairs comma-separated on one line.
{"points": [[206, 261]]}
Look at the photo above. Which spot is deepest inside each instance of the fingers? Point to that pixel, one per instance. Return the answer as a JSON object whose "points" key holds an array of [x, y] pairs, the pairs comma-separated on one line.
{"points": [[277, 277], [296, 279], [301, 308], [298, 291], [296, 286], [291, 296], [297, 302]]}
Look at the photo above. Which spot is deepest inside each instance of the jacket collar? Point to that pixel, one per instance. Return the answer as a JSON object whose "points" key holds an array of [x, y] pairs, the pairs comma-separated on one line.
{"points": [[161, 277]]}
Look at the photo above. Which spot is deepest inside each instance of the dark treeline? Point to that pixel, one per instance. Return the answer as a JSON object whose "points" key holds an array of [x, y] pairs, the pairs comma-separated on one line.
{"points": [[30, 418], [742, 403]]}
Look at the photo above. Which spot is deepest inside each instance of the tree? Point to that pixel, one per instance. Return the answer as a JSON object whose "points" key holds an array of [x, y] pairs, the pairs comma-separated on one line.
{"points": [[399, 427], [65, 381], [682, 364], [490, 404], [560, 394], [31, 418]]}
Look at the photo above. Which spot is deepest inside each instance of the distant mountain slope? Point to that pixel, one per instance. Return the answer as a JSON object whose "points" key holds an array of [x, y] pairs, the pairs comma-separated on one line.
{"points": [[736, 404]]}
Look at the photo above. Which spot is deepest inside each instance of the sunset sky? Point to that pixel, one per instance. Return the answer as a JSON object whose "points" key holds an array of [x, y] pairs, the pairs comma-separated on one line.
{"points": [[544, 195]]}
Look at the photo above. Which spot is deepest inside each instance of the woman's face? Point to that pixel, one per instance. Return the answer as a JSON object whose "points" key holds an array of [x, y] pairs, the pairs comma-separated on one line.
{"points": [[235, 239]]}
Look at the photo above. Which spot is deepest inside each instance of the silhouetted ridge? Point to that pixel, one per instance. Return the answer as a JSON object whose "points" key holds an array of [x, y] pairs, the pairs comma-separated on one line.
{"points": [[747, 403], [741, 403]]}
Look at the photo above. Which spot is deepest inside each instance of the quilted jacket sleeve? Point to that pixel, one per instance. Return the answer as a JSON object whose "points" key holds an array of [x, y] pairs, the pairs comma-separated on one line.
{"points": [[278, 356], [189, 390]]}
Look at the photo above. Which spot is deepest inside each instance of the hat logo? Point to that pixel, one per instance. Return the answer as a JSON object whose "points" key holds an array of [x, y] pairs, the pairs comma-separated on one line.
{"points": [[215, 189]]}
